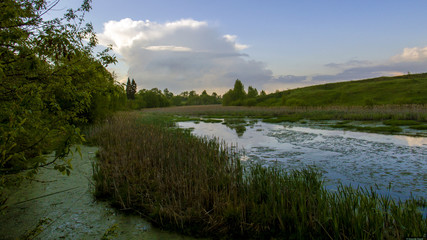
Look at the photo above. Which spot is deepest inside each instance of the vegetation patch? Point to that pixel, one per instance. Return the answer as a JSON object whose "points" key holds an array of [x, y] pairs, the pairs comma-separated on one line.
{"points": [[379, 129], [198, 186], [406, 89], [400, 122], [419, 127], [289, 118]]}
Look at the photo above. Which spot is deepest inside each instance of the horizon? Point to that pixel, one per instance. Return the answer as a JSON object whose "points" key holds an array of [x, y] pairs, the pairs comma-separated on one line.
{"points": [[279, 45]]}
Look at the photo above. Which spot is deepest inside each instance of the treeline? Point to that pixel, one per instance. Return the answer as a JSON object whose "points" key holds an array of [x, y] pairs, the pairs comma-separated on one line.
{"points": [[51, 84], [156, 98], [238, 97]]}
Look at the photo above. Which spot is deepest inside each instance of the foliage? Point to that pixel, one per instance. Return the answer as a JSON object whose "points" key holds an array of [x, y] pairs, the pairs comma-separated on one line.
{"points": [[199, 187], [155, 98], [51, 81], [131, 88], [235, 96]]}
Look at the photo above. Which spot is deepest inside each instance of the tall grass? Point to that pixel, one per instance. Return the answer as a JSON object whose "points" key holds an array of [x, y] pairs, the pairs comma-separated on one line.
{"points": [[373, 113], [197, 186]]}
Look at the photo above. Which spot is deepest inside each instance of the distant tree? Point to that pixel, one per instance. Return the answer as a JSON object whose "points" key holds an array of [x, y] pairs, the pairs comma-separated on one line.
{"points": [[262, 94], [167, 93], [131, 89], [235, 96], [252, 92], [128, 89], [239, 91]]}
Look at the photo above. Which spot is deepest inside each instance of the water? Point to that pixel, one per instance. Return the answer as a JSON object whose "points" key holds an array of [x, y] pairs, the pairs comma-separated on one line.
{"points": [[63, 207], [392, 164]]}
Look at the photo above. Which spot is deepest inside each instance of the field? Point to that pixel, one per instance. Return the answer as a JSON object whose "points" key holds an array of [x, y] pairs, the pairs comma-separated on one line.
{"points": [[199, 187], [406, 89]]}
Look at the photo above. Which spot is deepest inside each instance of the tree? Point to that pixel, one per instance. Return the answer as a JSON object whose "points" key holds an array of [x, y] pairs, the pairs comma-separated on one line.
{"points": [[50, 79], [131, 89], [128, 89], [252, 92], [235, 96]]}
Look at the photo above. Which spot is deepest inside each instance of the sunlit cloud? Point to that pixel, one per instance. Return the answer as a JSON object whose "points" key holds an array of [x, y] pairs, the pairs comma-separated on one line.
{"points": [[168, 48], [182, 55], [232, 39], [412, 54]]}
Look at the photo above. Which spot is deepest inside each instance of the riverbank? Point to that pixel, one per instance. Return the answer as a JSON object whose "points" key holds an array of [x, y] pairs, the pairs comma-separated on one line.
{"points": [[408, 120], [56, 206], [197, 186]]}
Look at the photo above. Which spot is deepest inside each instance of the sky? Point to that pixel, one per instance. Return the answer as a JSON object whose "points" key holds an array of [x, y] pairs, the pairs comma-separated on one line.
{"points": [[273, 45]]}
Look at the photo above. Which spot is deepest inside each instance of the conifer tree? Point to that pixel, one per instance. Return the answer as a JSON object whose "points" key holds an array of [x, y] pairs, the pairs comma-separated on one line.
{"points": [[133, 89], [128, 89]]}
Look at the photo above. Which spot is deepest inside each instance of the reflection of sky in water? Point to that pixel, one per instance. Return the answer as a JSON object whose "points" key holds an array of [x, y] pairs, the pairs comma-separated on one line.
{"points": [[356, 158]]}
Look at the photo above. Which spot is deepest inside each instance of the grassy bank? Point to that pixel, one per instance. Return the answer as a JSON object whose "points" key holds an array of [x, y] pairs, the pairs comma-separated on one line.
{"points": [[374, 113], [198, 187], [406, 89]]}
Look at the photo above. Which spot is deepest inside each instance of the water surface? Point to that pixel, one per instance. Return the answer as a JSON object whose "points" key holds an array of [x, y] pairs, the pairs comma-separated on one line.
{"points": [[351, 158]]}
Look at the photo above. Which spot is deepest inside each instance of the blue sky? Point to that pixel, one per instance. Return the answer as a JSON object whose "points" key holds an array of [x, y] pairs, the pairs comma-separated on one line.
{"points": [[267, 44]]}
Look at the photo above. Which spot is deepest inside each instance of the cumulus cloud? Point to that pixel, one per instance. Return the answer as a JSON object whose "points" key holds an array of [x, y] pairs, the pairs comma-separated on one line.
{"points": [[415, 54], [182, 55]]}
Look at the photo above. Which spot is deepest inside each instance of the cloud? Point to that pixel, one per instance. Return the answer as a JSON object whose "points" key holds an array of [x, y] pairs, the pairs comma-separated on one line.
{"points": [[414, 54], [232, 39], [192, 55], [412, 60], [182, 55], [349, 64]]}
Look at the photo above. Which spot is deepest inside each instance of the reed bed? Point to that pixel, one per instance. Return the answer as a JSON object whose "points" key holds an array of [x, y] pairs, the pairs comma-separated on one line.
{"points": [[197, 186], [416, 112]]}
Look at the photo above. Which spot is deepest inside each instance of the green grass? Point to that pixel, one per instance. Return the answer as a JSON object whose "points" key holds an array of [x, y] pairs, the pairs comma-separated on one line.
{"points": [[407, 89], [380, 129], [419, 127], [394, 122], [289, 118], [357, 113], [197, 186]]}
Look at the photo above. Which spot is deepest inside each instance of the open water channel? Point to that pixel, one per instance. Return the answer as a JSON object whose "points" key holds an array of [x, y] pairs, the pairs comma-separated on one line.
{"points": [[391, 164]]}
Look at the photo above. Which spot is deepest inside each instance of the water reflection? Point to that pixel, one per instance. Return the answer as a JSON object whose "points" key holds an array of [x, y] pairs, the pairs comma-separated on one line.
{"points": [[359, 159]]}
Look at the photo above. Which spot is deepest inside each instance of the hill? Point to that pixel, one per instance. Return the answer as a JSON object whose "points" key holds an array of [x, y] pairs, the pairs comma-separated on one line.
{"points": [[406, 89]]}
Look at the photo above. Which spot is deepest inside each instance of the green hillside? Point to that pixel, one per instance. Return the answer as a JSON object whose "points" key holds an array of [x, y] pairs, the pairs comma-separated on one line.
{"points": [[407, 89]]}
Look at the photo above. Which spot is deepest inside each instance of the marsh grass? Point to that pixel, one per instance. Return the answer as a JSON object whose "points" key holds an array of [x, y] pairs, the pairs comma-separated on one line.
{"points": [[357, 113], [197, 186]]}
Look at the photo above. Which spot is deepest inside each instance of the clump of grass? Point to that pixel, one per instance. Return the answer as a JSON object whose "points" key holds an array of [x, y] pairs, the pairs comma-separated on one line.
{"points": [[287, 118], [419, 127], [379, 129], [212, 120], [394, 122], [198, 186]]}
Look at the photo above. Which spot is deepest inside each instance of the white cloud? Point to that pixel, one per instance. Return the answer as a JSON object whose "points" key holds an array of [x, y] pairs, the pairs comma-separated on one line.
{"points": [[411, 54], [168, 48], [182, 55], [232, 39]]}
